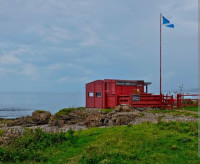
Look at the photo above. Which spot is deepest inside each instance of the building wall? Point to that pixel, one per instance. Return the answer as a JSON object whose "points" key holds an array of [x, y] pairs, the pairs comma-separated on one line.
{"points": [[97, 99], [111, 93], [110, 96]]}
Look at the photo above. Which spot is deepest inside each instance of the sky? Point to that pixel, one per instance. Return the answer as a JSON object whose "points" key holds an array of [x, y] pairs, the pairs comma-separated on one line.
{"points": [[58, 46]]}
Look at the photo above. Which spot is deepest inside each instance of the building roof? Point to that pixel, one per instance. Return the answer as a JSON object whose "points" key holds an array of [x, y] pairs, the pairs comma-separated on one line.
{"points": [[146, 83]]}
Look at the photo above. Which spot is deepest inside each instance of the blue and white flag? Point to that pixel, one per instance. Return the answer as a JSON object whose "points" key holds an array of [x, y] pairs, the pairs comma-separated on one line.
{"points": [[167, 23]]}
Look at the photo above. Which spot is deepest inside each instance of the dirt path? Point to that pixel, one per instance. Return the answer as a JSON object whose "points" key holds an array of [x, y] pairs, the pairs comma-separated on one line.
{"points": [[182, 110], [164, 117]]}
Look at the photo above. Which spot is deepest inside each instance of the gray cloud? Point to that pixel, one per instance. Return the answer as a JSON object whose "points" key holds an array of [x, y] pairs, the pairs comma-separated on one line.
{"points": [[53, 42]]}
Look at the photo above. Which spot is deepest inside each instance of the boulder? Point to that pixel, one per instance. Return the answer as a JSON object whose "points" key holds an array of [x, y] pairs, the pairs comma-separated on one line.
{"points": [[61, 123], [124, 118], [95, 119], [127, 108], [123, 108], [53, 121], [41, 117], [112, 119], [77, 116]]}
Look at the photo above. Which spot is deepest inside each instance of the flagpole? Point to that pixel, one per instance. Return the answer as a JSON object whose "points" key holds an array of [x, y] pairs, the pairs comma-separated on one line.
{"points": [[160, 54]]}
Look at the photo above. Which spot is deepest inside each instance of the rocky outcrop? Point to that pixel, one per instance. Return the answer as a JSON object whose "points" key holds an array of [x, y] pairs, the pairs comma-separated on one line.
{"points": [[122, 118], [41, 117], [77, 116], [22, 121], [38, 118], [124, 108], [95, 119], [122, 115]]}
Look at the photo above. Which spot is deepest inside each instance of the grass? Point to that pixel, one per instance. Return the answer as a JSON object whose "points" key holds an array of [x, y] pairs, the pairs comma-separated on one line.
{"points": [[30, 145], [107, 110], [66, 111], [40, 111], [191, 108], [171, 142], [1, 132], [173, 112]]}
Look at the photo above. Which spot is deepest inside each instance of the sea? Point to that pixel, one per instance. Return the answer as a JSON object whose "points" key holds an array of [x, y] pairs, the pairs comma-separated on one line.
{"points": [[18, 104]]}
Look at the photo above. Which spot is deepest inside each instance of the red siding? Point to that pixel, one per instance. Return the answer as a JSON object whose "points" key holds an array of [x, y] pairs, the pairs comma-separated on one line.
{"points": [[113, 93], [95, 87]]}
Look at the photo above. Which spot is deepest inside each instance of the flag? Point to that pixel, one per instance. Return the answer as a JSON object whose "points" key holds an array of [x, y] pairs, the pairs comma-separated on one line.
{"points": [[167, 23]]}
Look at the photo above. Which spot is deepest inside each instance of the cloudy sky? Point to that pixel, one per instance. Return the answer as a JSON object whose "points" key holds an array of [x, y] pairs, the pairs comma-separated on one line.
{"points": [[59, 45]]}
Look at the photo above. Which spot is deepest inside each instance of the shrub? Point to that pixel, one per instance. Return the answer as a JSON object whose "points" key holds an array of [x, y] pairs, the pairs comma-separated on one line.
{"points": [[30, 145]]}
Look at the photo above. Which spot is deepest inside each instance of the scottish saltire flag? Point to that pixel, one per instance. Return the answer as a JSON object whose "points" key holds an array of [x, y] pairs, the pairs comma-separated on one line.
{"points": [[167, 23]]}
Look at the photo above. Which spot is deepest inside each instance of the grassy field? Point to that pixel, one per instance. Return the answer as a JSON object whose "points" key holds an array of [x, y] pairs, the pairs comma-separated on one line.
{"points": [[191, 108], [145, 143]]}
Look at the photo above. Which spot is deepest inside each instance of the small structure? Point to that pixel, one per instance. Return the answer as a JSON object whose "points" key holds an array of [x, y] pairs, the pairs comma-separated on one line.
{"points": [[109, 93]]}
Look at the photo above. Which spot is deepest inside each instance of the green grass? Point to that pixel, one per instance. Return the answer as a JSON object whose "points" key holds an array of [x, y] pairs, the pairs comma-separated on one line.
{"points": [[1, 132], [40, 111], [173, 112], [107, 110], [191, 108], [66, 111], [31, 145], [171, 142]]}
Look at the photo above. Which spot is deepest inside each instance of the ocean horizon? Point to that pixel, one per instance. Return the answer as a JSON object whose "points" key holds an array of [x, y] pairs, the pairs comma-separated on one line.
{"points": [[18, 104]]}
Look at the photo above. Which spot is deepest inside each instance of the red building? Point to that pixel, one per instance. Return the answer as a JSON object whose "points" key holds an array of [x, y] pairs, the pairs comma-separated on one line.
{"points": [[109, 93]]}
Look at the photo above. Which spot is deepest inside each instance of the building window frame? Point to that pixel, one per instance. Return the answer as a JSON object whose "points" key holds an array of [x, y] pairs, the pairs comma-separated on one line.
{"points": [[98, 94], [91, 94]]}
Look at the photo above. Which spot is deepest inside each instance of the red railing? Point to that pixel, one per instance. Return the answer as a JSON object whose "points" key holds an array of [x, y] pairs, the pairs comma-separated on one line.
{"points": [[187, 100], [167, 102], [147, 100], [123, 99]]}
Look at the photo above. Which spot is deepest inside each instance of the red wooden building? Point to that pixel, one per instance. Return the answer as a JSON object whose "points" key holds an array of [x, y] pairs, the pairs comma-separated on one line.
{"points": [[109, 93]]}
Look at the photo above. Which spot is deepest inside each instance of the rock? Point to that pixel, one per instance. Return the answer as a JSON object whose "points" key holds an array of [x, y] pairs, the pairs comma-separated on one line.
{"points": [[118, 108], [37, 118], [114, 118], [22, 121], [123, 118], [77, 116], [140, 109], [61, 123], [41, 117], [123, 108], [53, 121], [95, 119], [127, 108]]}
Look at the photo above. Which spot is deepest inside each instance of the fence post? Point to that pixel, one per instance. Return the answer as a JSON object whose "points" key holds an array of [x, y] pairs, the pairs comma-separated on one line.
{"points": [[178, 100], [172, 102]]}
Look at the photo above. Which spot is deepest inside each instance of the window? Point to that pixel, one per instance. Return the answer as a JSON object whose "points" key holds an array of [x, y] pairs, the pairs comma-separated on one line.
{"points": [[91, 94], [98, 94], [126, 83]]}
